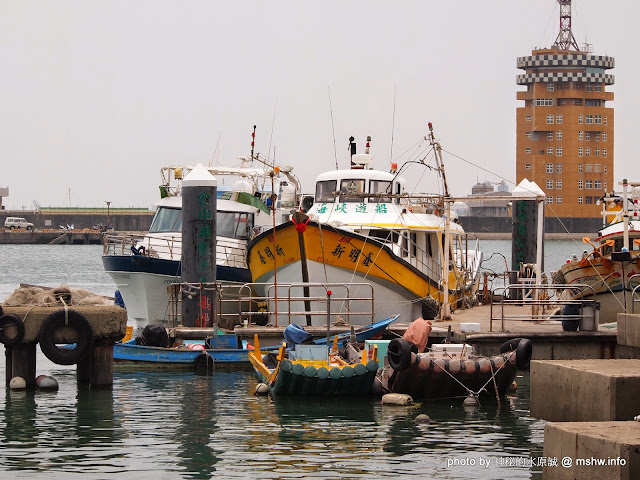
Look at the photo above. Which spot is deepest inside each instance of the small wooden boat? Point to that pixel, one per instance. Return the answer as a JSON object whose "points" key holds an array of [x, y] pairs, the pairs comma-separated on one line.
{"points": [[313, 370], [222, 348], [449, 371]]}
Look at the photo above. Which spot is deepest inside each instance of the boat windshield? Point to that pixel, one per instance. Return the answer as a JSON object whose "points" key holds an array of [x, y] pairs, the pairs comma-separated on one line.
{"points": [[167, 220], [325, 191], [234, 224], [380, 186], [350, 188]]}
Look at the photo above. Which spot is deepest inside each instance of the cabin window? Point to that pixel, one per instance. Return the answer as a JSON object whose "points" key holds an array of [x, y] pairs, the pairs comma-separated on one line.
{"points": [[325, 191], [380, 186], [350, 188], [398, 191], [385, 235], [167, 220], [234, 224], [414, 245]]}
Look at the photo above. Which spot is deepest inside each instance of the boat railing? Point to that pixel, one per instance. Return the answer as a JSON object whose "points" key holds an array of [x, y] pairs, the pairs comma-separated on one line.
{"points": [[551, 303], [419, 258], [231, 252], [299, 302]]}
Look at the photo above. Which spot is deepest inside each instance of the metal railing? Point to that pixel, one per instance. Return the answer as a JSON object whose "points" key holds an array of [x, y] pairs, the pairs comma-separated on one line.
{"points": [[544, 302], [229, 252], [635, 293], [237, 303]]}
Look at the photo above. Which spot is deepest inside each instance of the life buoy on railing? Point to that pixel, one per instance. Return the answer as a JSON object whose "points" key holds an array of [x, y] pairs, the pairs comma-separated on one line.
{"points": [[67, 355], [10, 336]]}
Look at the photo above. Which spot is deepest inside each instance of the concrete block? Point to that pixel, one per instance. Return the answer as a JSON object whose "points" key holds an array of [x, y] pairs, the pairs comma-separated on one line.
{"points": [[602, 450], [629, 329], [585, 390]]}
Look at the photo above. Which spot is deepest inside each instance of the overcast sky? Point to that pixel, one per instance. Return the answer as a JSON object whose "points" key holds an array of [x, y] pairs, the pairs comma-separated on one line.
{"points": [[97, 96]]}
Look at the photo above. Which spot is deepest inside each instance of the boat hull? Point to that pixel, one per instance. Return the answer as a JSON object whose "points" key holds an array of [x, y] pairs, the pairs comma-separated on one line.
{"points": [[341, 258], [132, 354], [143, 281], [427, 378]]}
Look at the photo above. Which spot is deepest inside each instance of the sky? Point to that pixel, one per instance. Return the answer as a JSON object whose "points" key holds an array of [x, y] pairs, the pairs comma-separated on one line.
{"points": [[98, 96]]}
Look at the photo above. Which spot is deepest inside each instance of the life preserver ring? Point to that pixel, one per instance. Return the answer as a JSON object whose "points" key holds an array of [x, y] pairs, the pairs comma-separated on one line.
{"points": [[524, 351], [399, 354], [7, 321], [66, 355]]}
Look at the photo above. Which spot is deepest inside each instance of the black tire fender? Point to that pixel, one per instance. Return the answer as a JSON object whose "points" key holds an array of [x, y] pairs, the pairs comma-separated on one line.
{"points": [[9, 320], [524, 351], [399, 354], [66, 356], [430, 308]]}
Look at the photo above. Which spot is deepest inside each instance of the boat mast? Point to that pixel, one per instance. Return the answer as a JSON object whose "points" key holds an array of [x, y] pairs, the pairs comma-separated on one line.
{"points": [[445, 313], [625, 215]]}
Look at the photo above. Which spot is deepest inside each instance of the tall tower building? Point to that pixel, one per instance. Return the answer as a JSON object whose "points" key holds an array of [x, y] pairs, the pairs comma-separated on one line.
{"points": [[564, 133]]}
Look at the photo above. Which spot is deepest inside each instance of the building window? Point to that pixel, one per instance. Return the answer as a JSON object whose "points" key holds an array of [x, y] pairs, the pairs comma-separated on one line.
{"points": [[597, 136], [597, 184], [527, 118], [605, 166], [587, 152], [549, 136], [544, 102], [558, 200], [580, 150], [588, 168], [527, 150], [550, 118], [589, 119], [579, 200], [558, 151], [597, 168], [588, 184], [549, 150], [559, 135], [558, 184], [527, 166], [579, 86], [549, 167], [598, 87], [580, 165], [559, 118], [588, 200], [577, 101], [604, 136], [580, 119], [587, 137], [550, 87], [605, 185], [528, 134], [549, 184], [580, 135], [605, 119], [558, 168], [580, 184], [589, 87], [597, 119], [597, 152], [548, 199]]}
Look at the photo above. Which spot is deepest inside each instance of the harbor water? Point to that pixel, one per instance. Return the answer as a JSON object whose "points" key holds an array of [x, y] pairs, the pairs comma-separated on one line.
{"points": [[163, 424]]}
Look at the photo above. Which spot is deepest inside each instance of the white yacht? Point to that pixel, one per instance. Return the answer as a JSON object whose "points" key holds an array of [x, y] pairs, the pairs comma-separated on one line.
{"points": [[143, 266]]}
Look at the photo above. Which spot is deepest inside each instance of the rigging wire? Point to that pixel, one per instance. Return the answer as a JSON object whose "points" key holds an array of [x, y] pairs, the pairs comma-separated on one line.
{"points": [[333, 131]]}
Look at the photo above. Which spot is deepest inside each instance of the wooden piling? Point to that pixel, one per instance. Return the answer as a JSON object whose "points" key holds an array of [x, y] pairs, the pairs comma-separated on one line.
{"points": [[23, 363], [101, 375]]}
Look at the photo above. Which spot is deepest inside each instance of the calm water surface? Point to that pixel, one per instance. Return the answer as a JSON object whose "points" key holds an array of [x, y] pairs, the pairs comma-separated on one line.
{"points": [[182, 425]]}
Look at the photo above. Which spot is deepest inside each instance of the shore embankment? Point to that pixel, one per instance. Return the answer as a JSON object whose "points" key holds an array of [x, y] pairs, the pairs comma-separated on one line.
{"points": [[547, 236]]}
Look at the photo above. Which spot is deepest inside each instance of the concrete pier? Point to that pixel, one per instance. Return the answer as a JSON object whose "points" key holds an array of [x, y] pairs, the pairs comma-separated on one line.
{"points": [[108, 324], [603, 450], [585, 390]]}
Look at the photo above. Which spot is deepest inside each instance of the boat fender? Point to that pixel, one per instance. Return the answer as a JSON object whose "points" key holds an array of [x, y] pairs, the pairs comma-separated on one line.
{"points": [[323, 373], [138, 251], [399, 354], [17, 383], [372, 366], [470, 401], [510, 345], [203, 362], [46, 382], [335, 373], [297, 369], [423, 418], [348, 372], [11, 336], [360, 369], [524, 353], [310, 371], [262, 389], [66, 319], [401, 399], [286, 365]]}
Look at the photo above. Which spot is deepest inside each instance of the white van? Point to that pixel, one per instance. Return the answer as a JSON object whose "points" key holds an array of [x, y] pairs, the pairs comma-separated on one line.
{"points": [[17, 222]]}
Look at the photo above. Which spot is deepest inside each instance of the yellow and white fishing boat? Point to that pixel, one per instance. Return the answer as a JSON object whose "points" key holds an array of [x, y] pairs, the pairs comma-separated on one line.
{"points": [[364, 229], [612, 270]]}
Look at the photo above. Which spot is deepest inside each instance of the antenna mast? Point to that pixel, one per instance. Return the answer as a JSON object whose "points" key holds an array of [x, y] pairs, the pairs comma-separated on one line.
{"points": [[565, 39]]}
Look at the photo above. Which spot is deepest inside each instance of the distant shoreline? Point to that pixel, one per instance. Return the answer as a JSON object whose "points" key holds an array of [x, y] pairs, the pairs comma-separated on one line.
{"points": [[508, 236]]}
